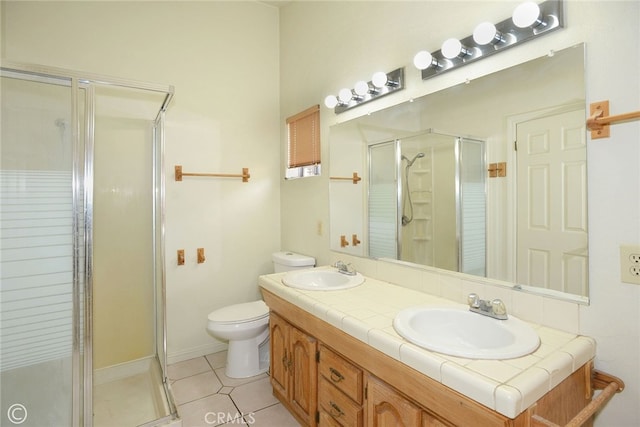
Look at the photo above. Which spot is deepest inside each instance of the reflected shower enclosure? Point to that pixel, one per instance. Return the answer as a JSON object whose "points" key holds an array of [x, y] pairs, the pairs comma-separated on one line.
{"points": [[82, 258], [427, 201]]}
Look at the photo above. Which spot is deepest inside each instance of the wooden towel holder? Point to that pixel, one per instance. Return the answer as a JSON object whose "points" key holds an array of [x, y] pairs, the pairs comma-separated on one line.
{"points": [[599, 120], [245, 174], [599, 381], [355, 178]]}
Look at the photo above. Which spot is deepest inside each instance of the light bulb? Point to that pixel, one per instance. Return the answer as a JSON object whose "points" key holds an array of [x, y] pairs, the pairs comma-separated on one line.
{"points": [[526, 15], [486, 33], [345, 95], [451, 48], [331, 101], [361, 88], [379, 79], [423, 60]]}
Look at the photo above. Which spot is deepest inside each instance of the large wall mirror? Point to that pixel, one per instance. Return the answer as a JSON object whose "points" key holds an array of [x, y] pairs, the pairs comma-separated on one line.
{"points": [[427, 196]]}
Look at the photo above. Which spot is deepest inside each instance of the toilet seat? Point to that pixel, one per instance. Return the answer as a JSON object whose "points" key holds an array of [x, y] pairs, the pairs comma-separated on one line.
{"points": [[240, 313]]}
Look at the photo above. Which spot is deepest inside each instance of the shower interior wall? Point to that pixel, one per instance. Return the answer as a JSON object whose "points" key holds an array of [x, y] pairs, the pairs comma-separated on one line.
{"points": [[123, 284]]}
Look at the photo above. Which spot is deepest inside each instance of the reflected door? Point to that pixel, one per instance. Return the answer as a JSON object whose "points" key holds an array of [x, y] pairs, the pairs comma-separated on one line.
{"points": [[552, 203]]}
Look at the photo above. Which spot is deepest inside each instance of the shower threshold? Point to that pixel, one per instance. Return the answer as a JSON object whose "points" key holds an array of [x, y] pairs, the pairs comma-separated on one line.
{"points": [[131, 394]]}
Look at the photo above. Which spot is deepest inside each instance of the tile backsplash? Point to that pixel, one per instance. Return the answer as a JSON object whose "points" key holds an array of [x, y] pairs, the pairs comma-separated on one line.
{"points": [[538, 309]]}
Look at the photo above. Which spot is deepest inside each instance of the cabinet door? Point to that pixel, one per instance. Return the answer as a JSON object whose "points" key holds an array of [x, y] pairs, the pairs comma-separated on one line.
{"points": [[279, 330], [428, 420], [387, 408], [303, 390]]}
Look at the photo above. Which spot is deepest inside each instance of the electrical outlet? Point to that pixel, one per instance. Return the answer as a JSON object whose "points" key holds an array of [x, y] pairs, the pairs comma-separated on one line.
{"points": [[630, 264]]}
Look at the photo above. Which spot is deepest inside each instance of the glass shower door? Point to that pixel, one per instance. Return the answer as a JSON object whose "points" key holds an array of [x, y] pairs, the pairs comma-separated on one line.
{"points": [[41, 262]]}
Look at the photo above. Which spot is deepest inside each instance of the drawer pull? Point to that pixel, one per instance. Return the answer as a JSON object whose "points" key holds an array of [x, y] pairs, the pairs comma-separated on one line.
{"points": [[335, 410], [336, 376]]}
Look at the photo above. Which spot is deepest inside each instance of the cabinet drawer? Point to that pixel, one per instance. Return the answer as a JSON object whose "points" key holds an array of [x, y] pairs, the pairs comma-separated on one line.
{"points": [[342, 409], [341, 373]]}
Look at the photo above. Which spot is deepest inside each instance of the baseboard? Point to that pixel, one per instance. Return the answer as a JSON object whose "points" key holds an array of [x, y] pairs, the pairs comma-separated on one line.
{"points": [[191, 353], [122, 370]]}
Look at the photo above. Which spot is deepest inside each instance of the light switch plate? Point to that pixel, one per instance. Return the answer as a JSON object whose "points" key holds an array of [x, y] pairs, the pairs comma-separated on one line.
{"points": [[630, 264]]}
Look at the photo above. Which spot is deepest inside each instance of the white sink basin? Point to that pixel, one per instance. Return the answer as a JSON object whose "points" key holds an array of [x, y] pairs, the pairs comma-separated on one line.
{"points": [[321, 280], [458, 332]]}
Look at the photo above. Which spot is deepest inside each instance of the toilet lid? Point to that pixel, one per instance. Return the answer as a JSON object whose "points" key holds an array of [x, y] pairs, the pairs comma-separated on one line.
{"points": [[239, 313]]}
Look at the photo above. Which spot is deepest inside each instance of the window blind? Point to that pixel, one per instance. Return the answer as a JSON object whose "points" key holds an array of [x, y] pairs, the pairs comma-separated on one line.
{"points": [[304, 138]]}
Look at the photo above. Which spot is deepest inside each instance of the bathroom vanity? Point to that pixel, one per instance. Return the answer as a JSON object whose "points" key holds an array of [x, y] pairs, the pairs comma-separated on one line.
{"points": [[337, 361]]}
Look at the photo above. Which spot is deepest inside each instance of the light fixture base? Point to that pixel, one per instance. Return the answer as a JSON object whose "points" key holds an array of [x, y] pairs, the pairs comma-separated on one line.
{"points": [[395, 82], [553, 10]]}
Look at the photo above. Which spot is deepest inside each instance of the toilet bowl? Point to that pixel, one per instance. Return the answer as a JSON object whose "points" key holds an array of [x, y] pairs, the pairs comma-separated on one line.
{"points": [[246, 325]]}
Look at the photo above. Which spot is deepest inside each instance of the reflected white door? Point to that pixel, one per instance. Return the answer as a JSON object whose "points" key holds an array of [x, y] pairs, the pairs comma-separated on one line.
{"points": [[552, 203]]}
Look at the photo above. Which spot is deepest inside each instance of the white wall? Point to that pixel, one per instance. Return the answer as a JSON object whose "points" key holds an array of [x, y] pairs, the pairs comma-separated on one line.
{"points": [[222, 58], [329, 45]]}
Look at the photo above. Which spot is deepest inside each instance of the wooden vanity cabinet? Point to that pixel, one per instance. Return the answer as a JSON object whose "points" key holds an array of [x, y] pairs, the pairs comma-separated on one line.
{"points": [[341, 381], [293, 369]]}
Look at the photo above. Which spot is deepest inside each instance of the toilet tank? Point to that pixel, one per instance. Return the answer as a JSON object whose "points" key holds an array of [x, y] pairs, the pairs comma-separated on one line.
{"points": [[287, 261]]}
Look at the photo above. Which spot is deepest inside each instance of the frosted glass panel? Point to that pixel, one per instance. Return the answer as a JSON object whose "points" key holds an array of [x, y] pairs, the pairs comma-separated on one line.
{"points": [[472, 208], [383, 201]]}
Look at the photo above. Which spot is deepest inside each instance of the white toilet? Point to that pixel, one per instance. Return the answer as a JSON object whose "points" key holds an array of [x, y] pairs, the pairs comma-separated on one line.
{"points": [[246, 325]]}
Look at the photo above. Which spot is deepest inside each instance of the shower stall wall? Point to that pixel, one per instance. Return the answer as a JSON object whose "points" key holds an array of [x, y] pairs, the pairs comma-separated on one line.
{"points": [[81, 228]]}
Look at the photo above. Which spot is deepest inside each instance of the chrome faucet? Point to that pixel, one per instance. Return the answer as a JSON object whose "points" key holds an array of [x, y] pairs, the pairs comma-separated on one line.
{"points": [[345, 268], [495, 308]]}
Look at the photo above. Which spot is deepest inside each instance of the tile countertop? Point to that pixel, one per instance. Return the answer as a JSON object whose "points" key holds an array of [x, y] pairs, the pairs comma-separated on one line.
{"points": [[366, 312]]}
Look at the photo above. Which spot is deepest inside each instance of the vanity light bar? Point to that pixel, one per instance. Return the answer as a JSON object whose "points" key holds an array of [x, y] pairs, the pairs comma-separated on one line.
{"points": [[381, 84], [529, 20]]}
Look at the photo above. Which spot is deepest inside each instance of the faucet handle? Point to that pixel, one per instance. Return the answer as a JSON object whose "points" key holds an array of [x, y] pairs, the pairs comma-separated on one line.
{"points": [[498, 307], [473, 300]]}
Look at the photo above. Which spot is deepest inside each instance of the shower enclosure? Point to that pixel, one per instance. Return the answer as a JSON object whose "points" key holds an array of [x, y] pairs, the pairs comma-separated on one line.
{"points": [[427, 201], [81, 228]]}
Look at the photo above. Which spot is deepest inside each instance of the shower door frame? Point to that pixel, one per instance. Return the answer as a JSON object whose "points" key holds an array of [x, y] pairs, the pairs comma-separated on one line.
{"points": [[457, 141], [82, 178]]}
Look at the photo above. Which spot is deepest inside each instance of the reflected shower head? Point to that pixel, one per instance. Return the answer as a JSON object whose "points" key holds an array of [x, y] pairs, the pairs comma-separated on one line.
{"points": [[410, 162]]}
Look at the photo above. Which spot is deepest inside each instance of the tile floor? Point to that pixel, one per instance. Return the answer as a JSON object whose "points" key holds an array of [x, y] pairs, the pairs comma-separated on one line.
{"points": [[207, 397]]}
